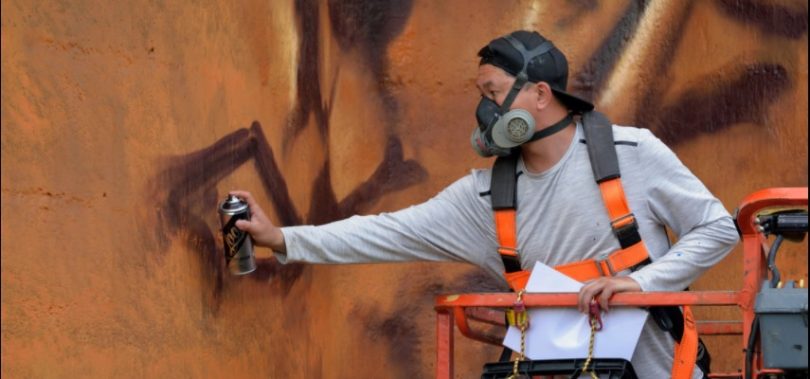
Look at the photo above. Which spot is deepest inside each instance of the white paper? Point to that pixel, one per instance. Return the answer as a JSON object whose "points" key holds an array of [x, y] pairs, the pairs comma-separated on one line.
{"points": [[564, 333]]}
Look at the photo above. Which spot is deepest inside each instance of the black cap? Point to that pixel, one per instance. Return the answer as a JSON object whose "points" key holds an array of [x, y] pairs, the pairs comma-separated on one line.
{"points": [[549, 66]]}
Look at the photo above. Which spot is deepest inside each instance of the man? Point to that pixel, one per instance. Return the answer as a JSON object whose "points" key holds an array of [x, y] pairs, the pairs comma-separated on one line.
{"points": [[560, 217]]}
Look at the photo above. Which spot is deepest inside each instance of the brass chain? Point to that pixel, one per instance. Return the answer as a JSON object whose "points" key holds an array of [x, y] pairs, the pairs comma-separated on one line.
{"points": [[521, 320], [590, 350]]}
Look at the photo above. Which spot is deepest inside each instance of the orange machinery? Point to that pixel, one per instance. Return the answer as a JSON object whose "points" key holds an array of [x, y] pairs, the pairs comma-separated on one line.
{"points": [[481, 307]]}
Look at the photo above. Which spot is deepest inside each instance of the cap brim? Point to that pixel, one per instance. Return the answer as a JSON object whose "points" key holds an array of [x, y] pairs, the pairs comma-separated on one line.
{"points": [[572, 102]]}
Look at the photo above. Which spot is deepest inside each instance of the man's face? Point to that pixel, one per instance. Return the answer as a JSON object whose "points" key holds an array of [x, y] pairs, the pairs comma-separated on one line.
{"points": [[494, 83]]}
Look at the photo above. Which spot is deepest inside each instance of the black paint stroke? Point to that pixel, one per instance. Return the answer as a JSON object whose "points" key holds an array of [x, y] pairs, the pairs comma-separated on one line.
{"points": [[184, 191], [309, 97], [712, 104], [400, 327], [369, 26], [588, 82], [392, 174], [785, 21], [742, 95], [187, 187]]}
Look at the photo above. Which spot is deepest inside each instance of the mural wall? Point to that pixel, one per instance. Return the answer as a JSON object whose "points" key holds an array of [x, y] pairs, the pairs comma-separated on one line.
{"points": [[123, 126]]}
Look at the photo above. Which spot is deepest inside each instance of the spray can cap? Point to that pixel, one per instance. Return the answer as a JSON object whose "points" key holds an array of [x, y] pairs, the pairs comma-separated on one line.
{"points": [[232, 204]]}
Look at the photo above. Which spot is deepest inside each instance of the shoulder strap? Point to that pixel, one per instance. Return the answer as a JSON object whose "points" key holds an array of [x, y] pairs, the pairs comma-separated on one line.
{"points": [[605, 165], [503, 187], [601, 149], [503, 184]]}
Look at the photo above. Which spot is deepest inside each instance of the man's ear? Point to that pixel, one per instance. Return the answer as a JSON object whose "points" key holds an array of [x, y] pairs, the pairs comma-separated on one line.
{"points": [[544, 95]]}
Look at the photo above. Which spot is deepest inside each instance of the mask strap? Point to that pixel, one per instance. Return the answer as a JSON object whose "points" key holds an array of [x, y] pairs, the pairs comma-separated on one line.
{"points": [[560, 125], [528, 55], [510, 97], [522, 76]]}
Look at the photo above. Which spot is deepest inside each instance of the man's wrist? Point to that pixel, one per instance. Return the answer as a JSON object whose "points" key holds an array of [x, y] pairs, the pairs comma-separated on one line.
{"points": [[281, 246]]}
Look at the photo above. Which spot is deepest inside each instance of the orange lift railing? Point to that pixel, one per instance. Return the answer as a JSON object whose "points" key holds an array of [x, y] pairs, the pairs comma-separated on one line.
{"points": [[483, 307]]}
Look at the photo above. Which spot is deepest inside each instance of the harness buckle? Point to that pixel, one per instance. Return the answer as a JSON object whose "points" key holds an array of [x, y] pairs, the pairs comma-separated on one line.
{"points": [[625, 228], [604, 258], [624, 222], [503, 250], [510, 258]]}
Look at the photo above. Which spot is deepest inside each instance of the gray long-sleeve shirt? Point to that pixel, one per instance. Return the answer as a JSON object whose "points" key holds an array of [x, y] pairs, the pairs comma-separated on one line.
{"points": [[561, 218]]}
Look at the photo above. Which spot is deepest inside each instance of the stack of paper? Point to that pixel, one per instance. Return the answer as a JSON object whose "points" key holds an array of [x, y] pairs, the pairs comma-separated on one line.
{"points": [[563, 333]]}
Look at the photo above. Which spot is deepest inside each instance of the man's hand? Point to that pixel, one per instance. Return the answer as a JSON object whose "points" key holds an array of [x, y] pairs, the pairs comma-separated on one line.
{"points": [[604, 288], [263, 231]]}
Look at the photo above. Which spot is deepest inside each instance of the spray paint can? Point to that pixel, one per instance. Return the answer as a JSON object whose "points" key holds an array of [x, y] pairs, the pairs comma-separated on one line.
{"points": [[238, 245]]}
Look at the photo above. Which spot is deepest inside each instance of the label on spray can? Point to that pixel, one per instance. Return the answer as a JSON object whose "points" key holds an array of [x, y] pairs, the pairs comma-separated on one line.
{"points": [[238, 245]]}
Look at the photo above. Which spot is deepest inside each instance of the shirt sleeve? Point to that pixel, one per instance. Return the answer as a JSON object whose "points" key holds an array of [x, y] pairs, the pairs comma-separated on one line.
{"points": [[682, 202], [444, 228]]}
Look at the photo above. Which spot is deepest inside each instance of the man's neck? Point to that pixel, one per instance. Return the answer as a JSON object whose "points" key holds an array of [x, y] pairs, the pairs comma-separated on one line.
{"points": [[541, 155]]}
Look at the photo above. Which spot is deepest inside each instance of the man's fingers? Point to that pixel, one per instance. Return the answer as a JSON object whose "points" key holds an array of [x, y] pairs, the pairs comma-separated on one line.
{"points": [[245, 195], [585, 298], [607, 292], [581, 298], [587, 294], [604, 288], [244, 225]]}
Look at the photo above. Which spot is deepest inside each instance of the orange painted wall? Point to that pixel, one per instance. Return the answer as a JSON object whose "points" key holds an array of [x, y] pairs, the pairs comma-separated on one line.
{"points": [[124, 124]]}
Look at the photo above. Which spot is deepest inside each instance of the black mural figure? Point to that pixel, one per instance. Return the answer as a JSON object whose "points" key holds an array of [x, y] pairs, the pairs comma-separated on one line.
{"points": [[185, 186]]}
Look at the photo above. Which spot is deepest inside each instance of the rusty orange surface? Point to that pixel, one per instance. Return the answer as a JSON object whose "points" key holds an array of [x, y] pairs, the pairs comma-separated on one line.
{"points": [[124, 124]]}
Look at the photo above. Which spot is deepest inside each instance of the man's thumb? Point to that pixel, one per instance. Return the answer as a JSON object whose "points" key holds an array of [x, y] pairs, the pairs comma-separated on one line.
{"points": [[244, 225]]}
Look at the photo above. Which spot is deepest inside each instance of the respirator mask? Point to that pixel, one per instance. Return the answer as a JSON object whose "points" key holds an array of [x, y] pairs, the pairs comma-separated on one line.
{"points": [[500, 129]]}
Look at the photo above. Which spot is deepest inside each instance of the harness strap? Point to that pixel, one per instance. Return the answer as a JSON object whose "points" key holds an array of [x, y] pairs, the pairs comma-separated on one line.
{"points": [[605, 165], [503, 184], [580, 271], [612, 264], [686, 350], [507, 239], [622, 220], [503, 196]]}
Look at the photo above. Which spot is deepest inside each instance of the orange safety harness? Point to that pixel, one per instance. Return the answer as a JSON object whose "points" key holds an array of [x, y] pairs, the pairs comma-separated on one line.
{"points": [[632, 254]]}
